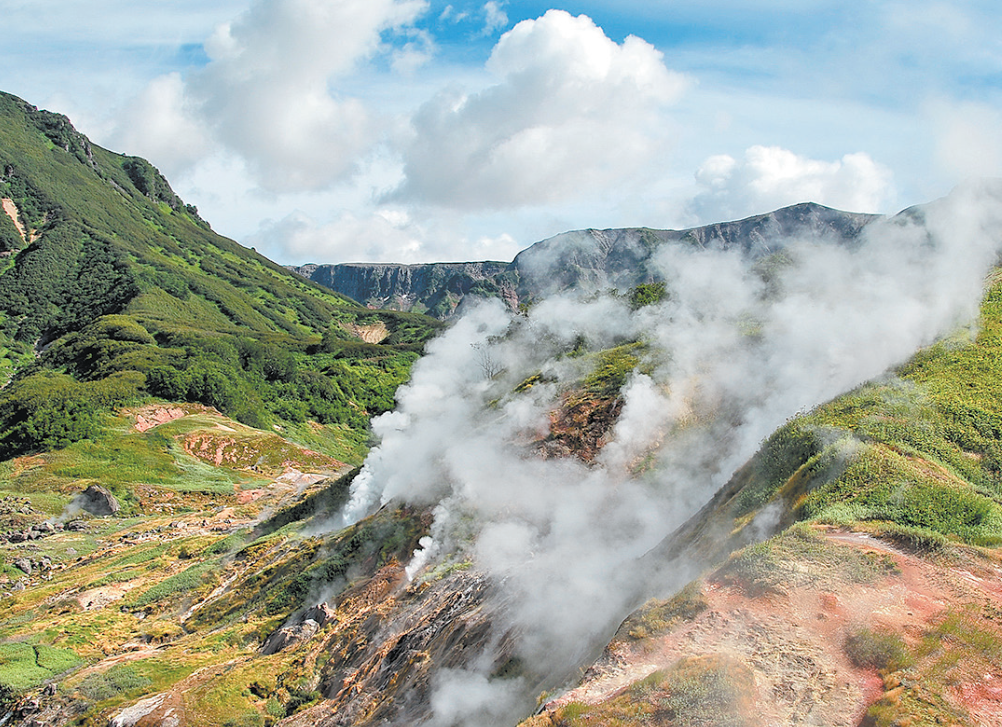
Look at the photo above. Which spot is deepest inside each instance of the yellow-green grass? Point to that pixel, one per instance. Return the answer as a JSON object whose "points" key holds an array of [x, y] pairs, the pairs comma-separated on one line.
{"points": [[23, 665]]}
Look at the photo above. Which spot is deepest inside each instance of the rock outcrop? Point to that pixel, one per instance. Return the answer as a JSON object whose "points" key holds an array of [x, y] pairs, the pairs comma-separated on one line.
{"points": [[97, 501]]}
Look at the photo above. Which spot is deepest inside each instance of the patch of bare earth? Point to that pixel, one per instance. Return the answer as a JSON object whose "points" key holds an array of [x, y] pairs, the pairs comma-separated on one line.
{"points": [[372, 333], [580, 426], [792, 638], [257, 452], [11, 209], [154, 416]]}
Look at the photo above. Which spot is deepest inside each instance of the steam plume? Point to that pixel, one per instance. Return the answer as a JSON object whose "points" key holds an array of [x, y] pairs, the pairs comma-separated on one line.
{"points": [[736, 348]]}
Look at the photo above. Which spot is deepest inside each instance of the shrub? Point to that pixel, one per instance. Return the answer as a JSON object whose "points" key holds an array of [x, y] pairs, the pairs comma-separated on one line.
{"points": [[880, 650], [187, 580], [657, 617], [23, 666], [647, 294]]}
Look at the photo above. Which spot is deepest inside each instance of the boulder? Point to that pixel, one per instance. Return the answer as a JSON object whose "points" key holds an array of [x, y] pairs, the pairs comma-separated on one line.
{"points": [[289, 636], [24, 564], [97, 501], [321, 613]]}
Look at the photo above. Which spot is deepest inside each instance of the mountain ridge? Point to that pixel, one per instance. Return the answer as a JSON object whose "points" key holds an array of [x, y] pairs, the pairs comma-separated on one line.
{"points": [[588, 260]]}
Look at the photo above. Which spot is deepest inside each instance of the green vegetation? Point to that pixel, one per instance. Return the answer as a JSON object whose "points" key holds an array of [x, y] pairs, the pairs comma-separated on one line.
{"points": [[964, 644], [800, 556], [184, 582], [119, 302], [106, 685], [127, 294], [880, 650], [705, 691], [610, 368], [917, 456], [647, 294], [658, 617], [23, 666]]}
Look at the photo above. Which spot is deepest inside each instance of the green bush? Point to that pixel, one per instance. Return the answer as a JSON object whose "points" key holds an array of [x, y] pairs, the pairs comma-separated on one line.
{"points": [[647, 294], [23, 666], [880, 650], [19, 669]]}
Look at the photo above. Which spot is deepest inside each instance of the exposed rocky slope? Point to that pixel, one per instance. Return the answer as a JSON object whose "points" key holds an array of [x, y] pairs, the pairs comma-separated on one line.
{"points": [[819, 626], [587, 260]]}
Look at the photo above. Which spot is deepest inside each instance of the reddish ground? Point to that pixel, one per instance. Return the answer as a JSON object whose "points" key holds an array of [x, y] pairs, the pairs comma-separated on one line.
{"points": [[792, 637]]}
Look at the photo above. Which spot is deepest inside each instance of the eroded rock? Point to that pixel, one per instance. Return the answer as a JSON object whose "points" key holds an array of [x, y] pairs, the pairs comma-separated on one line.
{"points": [[290, 636], [321, 613], [97, 501]]}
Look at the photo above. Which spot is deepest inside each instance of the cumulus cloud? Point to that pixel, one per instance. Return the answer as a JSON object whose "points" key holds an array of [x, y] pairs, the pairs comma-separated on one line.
{"points": [[415, 53], [769, 177], [160, 124], [573, 109], [266, 92], [387, 234]]}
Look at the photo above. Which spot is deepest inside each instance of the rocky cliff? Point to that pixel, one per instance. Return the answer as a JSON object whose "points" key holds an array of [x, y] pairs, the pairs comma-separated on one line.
{"points": [[588, 260], [434, 288]]}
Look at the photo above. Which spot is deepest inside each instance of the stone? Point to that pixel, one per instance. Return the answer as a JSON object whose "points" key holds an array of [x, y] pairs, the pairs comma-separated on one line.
{"points": [[24, 564], [288, 636], [97, 501], [321, 613]]}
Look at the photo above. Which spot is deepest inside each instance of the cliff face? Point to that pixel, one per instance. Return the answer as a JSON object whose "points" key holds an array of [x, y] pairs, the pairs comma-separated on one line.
{"points": [[586, 260], [434, 288]]}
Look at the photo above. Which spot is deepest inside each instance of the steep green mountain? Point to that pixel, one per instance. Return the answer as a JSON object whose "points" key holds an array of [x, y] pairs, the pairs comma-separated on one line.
{"points": [[112, 289]]}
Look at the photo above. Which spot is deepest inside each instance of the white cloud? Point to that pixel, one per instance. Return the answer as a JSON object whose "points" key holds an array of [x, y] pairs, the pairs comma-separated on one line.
{"points": [[414, 54], [159, 124], [767, 178], [494, 17], [266, 93], [573, 110], [379, 237], [387, 234], [968, 140], [452, 15]]}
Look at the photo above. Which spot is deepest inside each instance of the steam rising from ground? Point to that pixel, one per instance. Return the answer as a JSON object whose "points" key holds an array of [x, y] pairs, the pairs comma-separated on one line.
{"points": [[738, 347]]}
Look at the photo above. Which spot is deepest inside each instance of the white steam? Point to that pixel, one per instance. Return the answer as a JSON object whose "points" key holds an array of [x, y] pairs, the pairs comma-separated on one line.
{"points": [[730, 355]]}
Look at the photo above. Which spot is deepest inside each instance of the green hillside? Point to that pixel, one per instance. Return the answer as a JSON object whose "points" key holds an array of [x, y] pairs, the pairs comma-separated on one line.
{"points": [[113, 290]]}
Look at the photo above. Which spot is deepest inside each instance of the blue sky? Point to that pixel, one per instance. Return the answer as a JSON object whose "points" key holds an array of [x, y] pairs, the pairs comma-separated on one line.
{"points": [[415, 130]]}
